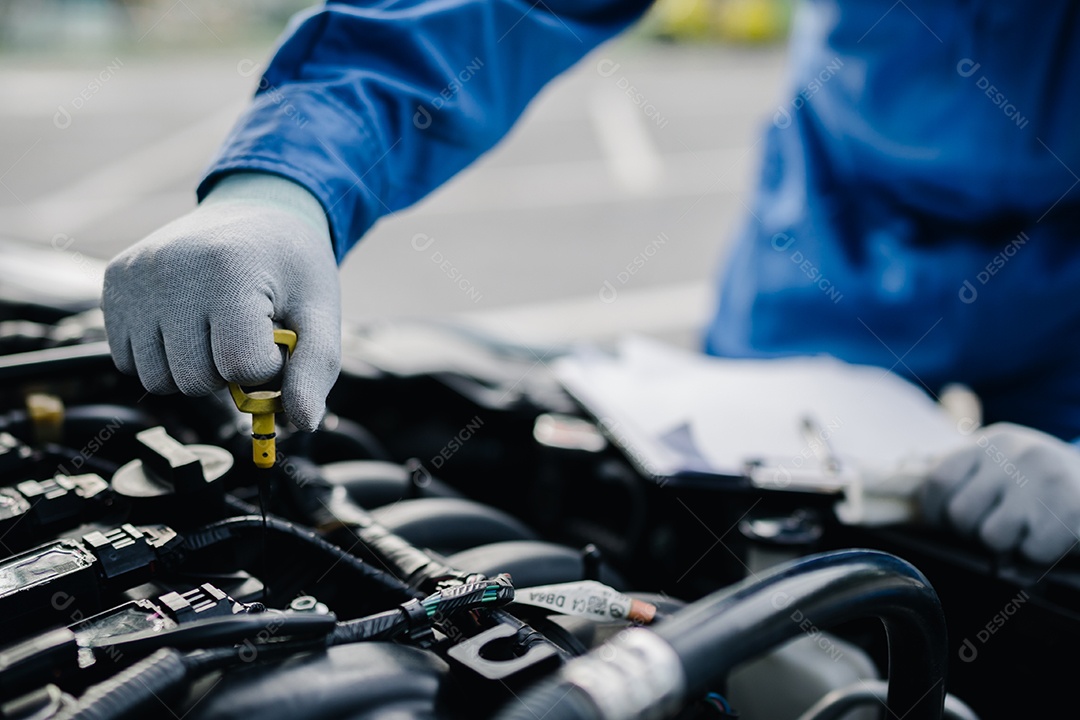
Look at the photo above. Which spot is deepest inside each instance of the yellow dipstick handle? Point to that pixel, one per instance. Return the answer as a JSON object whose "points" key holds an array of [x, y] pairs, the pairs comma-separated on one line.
{"points": [[263, 404]]}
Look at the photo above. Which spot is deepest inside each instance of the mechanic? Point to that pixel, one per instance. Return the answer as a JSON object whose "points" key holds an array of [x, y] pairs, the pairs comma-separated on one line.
{"points": [[921, 164]]}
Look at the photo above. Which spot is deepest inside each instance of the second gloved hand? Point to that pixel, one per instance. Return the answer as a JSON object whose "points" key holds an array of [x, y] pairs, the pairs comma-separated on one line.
{"points": [[1015, 487], [193, 305]]}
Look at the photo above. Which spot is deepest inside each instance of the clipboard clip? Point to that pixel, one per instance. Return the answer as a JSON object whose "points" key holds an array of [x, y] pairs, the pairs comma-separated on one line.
{"points": [[771, 474]]}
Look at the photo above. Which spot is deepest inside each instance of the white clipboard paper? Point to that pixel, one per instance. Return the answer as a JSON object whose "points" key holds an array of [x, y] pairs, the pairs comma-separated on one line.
{"points": [[679, 414]]}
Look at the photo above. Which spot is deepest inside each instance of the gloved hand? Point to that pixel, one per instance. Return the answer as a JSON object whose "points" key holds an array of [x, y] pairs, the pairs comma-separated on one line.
{"points": [[193, 305], [1016, 487]]}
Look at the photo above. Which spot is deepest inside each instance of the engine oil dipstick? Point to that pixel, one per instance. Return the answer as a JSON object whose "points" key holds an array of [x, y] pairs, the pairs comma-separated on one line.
{"points": [[263, 405]]}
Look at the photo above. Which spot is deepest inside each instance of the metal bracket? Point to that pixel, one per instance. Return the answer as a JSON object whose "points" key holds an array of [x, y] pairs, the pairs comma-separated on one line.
{"points": [[468, 653]]}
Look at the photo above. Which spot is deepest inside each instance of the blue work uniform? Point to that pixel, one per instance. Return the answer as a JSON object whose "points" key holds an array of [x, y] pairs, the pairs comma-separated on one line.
{"points": [[916, 203]]}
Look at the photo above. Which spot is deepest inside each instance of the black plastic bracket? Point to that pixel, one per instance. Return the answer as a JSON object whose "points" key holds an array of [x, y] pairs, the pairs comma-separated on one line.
{"points": [[470, 653]]}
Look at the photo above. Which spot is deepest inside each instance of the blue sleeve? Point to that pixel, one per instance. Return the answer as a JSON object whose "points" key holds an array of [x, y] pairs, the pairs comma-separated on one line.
{"points": [[372, 105]]}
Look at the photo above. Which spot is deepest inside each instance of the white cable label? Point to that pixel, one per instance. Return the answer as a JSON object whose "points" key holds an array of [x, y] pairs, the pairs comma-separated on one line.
{"points": [[585, 598]]}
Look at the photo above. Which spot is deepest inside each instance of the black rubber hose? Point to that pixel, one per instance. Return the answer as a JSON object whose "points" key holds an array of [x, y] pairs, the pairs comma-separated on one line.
{"points": [[450, 525], [140, 689], [372, 483], [837, 704], [340, 438], [132, 690], [697, 647], [89, 419], [532, 563], [553, 701], [82, 422], [232, 527], [64, 361], [714, 635]]}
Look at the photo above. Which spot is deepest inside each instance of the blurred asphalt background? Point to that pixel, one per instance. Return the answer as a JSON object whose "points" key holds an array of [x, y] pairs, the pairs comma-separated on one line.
{"points": [[107, 119]]}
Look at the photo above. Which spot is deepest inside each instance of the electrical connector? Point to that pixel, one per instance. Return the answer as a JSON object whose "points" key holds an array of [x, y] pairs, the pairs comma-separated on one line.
{"points": [[198, 603], [63, 497], [120, 551]]}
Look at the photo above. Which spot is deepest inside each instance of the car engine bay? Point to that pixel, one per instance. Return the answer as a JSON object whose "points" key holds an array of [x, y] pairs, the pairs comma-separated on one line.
{"points": [[458, 538]]}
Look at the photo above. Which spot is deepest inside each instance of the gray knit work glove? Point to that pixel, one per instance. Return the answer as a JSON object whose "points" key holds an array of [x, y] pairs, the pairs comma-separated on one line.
{"points": [[193, 305], [1014, 487]]}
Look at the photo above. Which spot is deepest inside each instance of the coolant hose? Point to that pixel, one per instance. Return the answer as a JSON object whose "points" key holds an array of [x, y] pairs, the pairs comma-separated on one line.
{"points": [[654, 673]]}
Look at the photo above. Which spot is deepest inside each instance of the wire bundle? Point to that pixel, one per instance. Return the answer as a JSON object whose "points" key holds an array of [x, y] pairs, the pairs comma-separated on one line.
{"points": [[417, 616]]}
